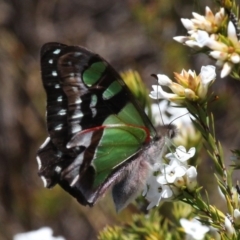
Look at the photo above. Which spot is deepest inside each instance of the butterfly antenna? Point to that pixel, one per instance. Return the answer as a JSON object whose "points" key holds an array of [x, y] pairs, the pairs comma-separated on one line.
{"points": [[160, 114], [178, 117], [156, 78]]}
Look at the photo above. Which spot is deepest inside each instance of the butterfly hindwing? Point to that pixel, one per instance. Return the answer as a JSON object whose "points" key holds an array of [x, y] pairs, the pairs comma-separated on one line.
{"points": [[96, 128]]}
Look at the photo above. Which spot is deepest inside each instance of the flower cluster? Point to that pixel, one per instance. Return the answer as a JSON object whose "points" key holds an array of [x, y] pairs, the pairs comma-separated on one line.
{"points": [[169, 179], [208, 32], [209, 23], [190, 86]]}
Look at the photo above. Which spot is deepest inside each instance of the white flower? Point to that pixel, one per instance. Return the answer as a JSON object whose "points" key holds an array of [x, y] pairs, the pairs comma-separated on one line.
{"points": [[44, 233], [171, 172], [194, 229], [229, 227], [164, 80], [187, 23], [197, 39], [235, 58], [226, 70], [191, 178], [181, 154], [232, 34], [201, 38], [155, 192], [236, 216], [207, 75]]}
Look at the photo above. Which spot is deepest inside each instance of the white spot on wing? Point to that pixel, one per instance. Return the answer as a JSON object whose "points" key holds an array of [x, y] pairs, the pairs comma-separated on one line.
{"points": [[59, 154], [45, 143], [76, 128], [39, 162], [58, 169], [57, 51], [78, 114], [78, 100], [93, 102], [59, 99], [57, 86], [58, 127], [54, 73], [62, 112], [50, 61], [44, 181], [74, 181], [94, 112]]}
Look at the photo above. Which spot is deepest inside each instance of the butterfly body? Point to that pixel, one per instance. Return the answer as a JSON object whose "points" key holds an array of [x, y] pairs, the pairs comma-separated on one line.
{"points": [[99, 137]]}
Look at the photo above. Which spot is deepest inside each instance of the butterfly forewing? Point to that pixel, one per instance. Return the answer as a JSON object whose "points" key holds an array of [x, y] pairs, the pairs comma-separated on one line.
{"points": [[94, 123]]}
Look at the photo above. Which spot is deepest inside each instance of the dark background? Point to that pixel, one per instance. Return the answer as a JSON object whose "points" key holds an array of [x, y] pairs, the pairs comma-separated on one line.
{"points": [[129, 34]]}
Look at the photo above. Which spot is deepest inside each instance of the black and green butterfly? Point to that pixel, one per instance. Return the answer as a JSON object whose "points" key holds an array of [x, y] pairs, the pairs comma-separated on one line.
{"points": [[99, 137]]}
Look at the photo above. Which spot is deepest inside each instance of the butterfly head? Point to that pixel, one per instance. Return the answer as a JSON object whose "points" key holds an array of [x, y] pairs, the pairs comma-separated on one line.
{"points": [[167, 131]]}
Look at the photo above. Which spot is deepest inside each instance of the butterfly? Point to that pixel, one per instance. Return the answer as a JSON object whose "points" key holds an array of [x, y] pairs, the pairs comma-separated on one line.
{"points": [[99, 136]]}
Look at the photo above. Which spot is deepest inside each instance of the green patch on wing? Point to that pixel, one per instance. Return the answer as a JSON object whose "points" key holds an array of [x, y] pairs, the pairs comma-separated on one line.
{"points": [[93, 73], [130, 115], [123, 137], [114, 88]]}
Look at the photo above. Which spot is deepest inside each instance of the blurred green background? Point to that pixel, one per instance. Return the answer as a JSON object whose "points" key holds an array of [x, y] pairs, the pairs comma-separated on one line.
{"points": [[129, 34]]}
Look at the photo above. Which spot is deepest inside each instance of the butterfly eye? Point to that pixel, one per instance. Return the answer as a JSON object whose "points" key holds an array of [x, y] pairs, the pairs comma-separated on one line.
{"points": [[172, 133]]}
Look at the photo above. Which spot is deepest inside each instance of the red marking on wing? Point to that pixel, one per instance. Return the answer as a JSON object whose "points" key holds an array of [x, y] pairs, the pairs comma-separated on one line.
{"points": [[92, 129], [147, 139]]}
